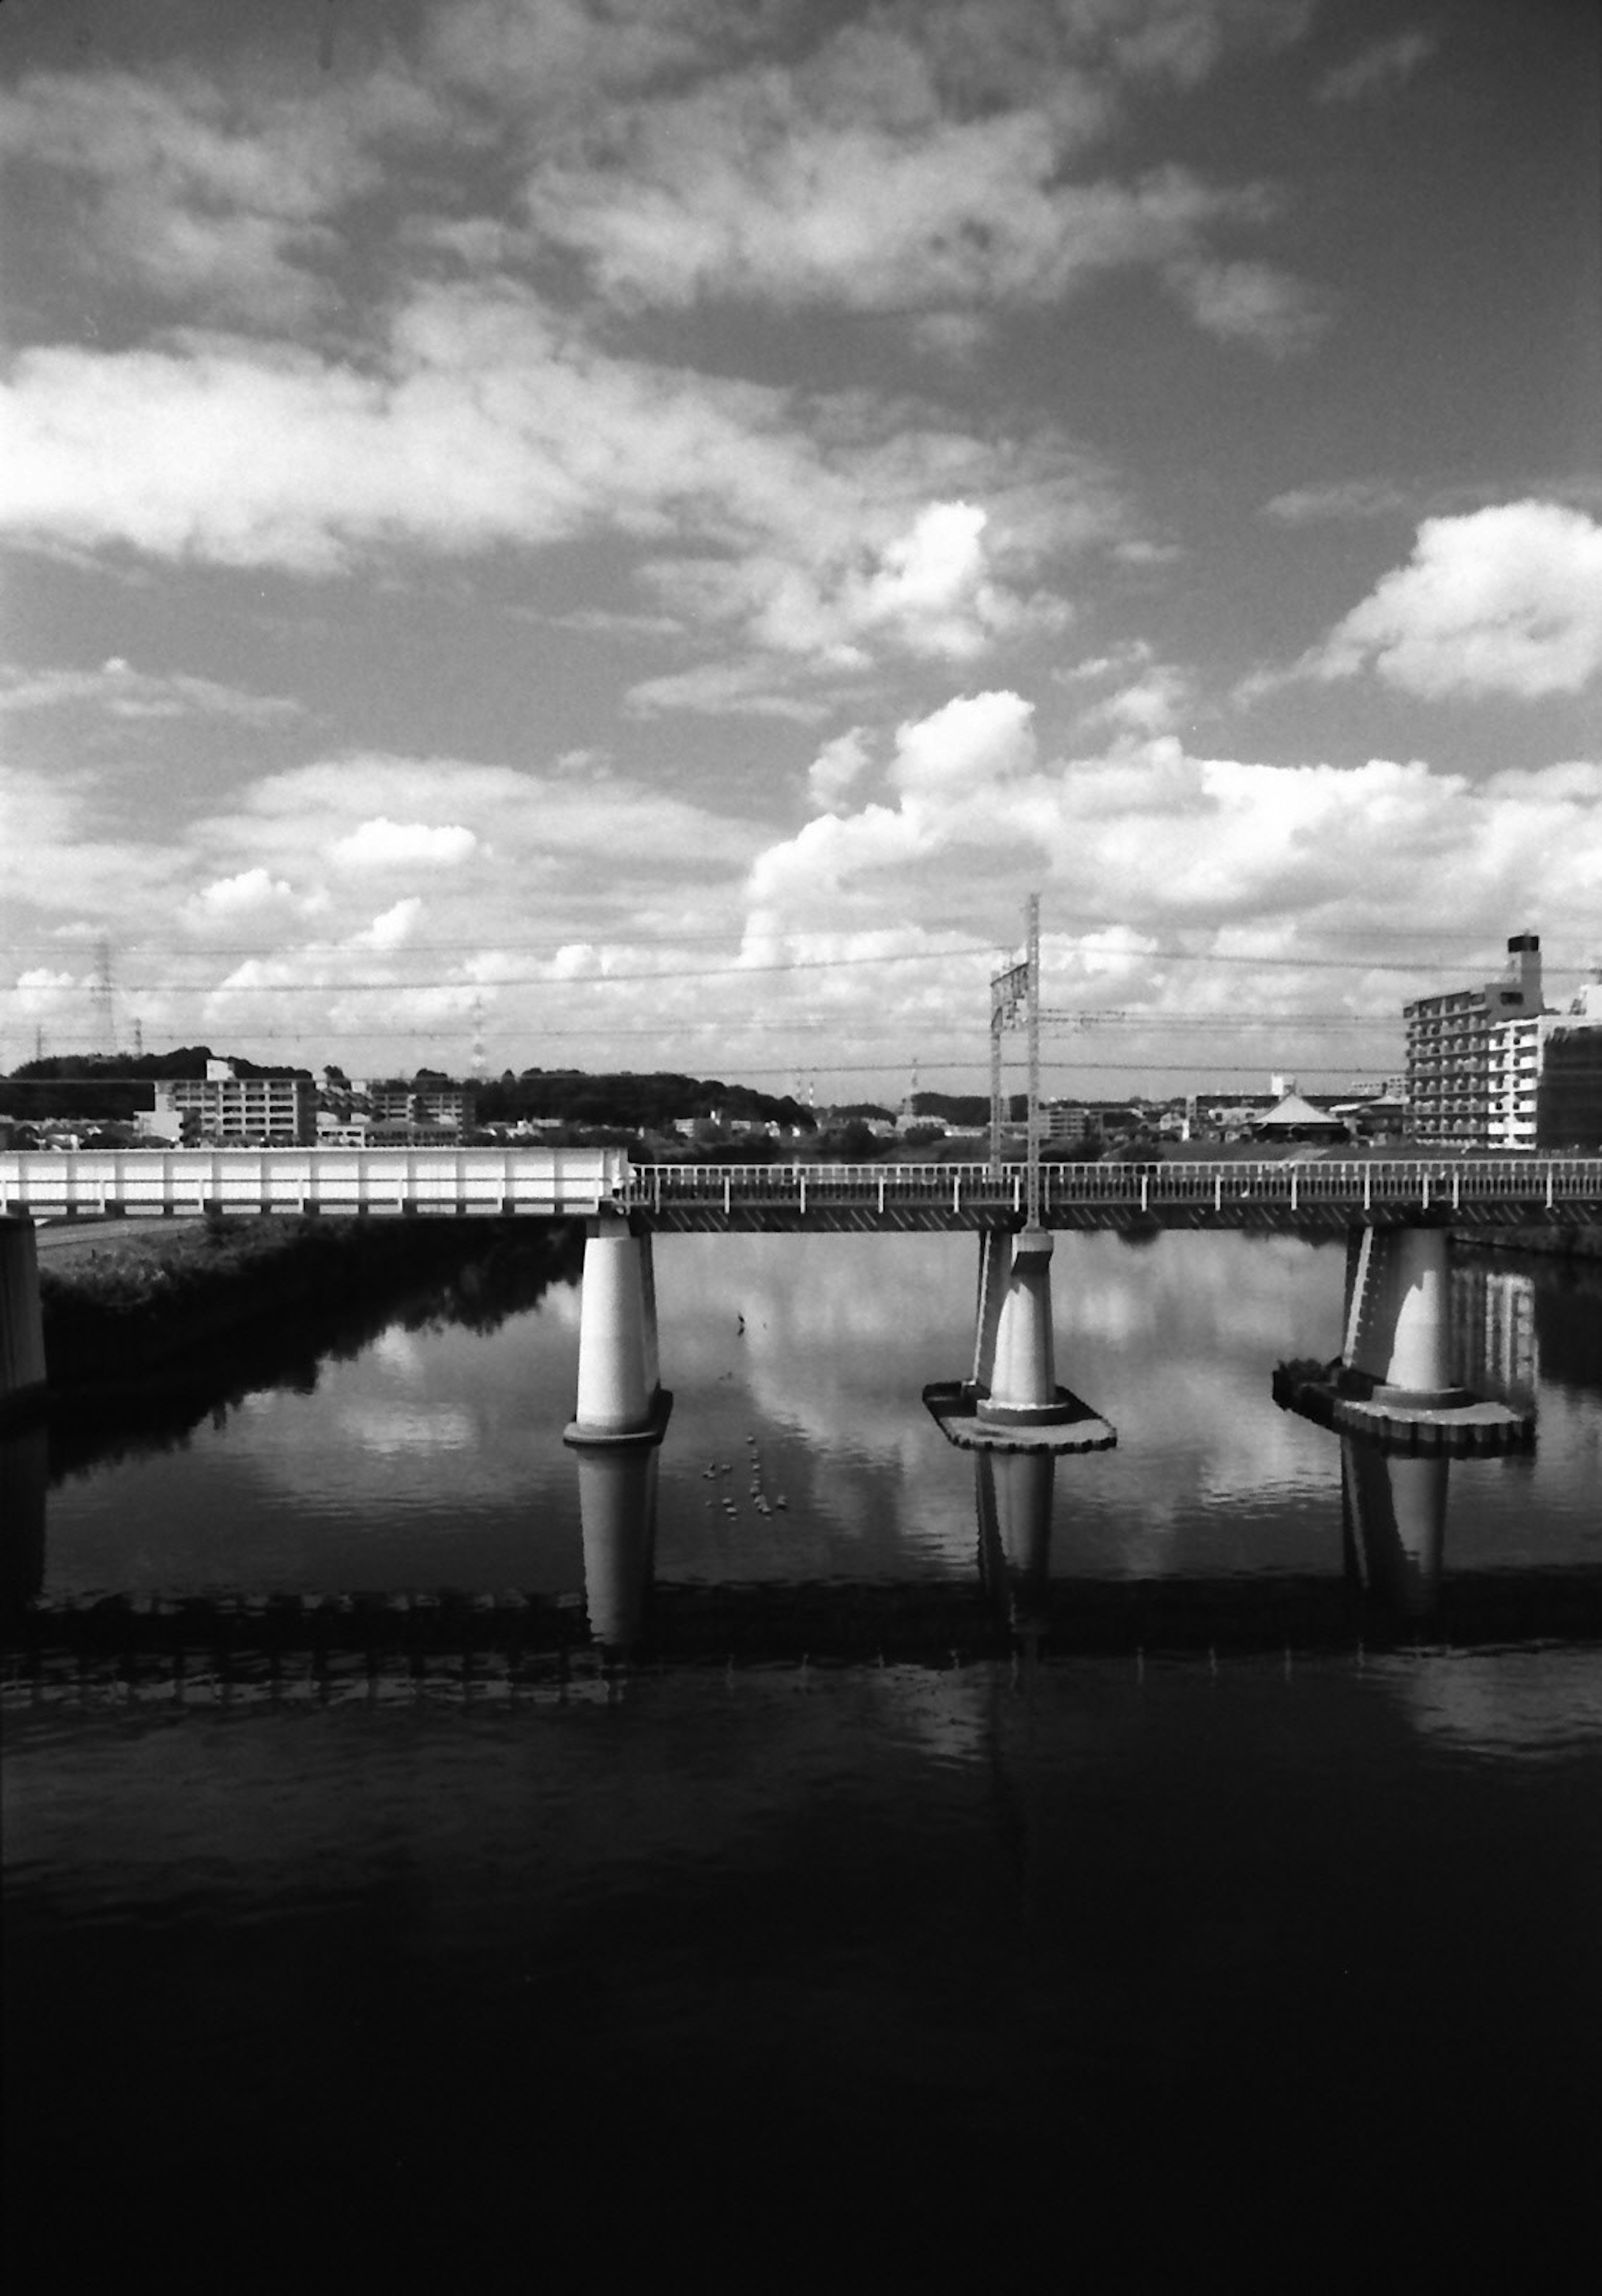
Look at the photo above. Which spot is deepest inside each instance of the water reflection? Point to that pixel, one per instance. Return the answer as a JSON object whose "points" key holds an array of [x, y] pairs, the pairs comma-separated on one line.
{"points": [[1394, 1516], [617, 1507]]}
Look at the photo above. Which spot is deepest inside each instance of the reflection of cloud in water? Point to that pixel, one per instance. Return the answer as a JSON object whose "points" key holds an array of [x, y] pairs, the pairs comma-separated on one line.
{"points": [[400, 1352], [1511, 1704], [1175, 1343], [390, 1428]]}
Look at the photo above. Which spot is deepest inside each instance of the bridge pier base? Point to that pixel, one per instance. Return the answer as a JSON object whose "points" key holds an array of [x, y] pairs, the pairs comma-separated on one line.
{"points": [[21, 1322], [617, 1510], [1394, 1378], [1012, 1401], [620, 1396]]}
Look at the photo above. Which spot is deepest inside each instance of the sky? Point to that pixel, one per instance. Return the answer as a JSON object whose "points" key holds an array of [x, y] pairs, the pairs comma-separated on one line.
{"points": [[637, 533]]}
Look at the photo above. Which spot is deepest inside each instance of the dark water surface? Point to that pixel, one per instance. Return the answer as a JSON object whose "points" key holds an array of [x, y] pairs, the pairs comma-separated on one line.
{"points": [[1188, 1867]]}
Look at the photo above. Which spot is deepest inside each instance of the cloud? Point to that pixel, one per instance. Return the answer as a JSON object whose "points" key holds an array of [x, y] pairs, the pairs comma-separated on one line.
{"points": [[392, 929], [826, 528], [231, 898], [1149, 840], [219, 199], [120, 691], [1249, 303], [1348, 498], [385, 844], [1506, 600], [1377, 69]]}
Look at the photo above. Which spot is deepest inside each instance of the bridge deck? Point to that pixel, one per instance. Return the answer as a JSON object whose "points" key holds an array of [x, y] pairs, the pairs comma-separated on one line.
{"points": [[1309, 1195]]}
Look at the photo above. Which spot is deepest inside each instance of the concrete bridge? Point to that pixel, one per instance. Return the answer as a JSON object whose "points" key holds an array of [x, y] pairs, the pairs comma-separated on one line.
{"points": [[1396, 1214]]}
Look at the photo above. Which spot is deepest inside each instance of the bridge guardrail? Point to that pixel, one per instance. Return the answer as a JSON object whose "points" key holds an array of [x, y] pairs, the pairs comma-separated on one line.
{"points": [[1359, 1184]]}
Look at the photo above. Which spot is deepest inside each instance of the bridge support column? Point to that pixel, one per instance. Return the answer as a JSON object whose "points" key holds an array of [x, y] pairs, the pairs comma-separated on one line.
{"points": [[995, 1267], [1393, 1380], [620, 1397], [618, 1509], [1399, 1313], [21, 1322], [1023, 1384], [1012, 1401]]}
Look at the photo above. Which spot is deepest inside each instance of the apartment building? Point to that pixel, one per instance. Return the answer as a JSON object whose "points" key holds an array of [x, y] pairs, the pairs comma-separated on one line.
{"points": [[448, 1106], [224, 1110], [1460, 1067], [1568, 1091]]}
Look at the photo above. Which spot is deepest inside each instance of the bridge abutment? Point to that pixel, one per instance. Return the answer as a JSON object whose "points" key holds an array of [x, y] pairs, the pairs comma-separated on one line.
{"points": [[22, 1321], [621, 1399]]}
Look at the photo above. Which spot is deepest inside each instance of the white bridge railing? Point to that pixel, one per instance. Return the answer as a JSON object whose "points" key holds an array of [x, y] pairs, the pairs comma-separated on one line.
{"points": [[1355, 1185], [136, 1183], [144, 1182]]}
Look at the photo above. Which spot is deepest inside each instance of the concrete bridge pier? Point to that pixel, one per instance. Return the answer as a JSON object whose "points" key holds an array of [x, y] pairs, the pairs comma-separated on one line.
{"points": [[1011, 1400], [1393, 1506], [618, 1509], [995, 1269], [1398, 1326], [620, 1396], [1394, 1378], [21, 1323]]}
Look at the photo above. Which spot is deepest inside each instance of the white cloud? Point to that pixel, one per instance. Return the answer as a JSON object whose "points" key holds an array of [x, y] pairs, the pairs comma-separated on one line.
{"points": [[385, 844], [837, 765], [1506, 600], [1377, 68], [1152, 841], [120, 691], [823, 531], [1249, 302], [394, 928], [251, 891]]}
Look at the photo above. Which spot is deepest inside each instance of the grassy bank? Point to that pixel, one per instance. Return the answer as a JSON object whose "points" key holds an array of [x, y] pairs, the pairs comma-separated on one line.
{"points": [[134, 1309]]}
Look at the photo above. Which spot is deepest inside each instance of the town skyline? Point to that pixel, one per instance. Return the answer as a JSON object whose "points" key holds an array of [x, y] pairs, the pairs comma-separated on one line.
{"points": [[635, 535]]}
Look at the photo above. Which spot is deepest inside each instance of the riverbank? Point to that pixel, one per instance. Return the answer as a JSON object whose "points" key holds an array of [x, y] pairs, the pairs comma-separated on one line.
{"points": [[128, 1306]]}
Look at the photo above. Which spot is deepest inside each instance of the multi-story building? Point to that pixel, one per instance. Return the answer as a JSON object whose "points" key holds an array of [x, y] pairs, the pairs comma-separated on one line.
{"points": [[449, 1106], [225, 1110], [1568, 1094], [1515, 1050], [1454, 1052]]}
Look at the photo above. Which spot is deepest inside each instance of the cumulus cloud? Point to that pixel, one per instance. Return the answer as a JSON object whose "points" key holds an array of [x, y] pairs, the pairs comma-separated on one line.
{"points": [[1506, 600], [1154, 841], [252, 890], [827, 530], [385, 844]]}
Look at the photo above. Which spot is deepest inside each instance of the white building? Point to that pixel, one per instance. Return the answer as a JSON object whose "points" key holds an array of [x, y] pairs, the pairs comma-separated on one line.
{"points": [[224, 1110]]}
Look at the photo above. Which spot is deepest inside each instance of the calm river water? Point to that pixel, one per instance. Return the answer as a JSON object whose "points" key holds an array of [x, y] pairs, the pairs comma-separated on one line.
{"points": [[1179, 1861]]}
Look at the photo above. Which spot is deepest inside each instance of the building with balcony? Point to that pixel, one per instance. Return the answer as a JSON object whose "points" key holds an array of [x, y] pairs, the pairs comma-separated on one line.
{"points": [[224, 1110], [1463, 1070]]}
